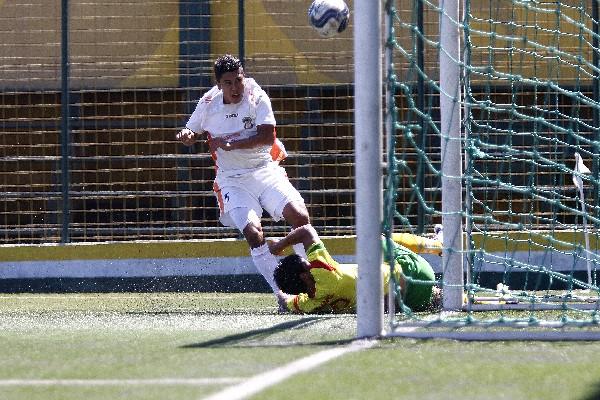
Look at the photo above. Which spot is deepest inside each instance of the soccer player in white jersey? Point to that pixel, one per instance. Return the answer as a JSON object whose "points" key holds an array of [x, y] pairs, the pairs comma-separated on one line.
{"points": [[237, 117]]}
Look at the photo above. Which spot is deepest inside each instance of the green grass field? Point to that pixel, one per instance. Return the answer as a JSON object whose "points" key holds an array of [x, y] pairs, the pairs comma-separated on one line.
{"points": [[192, 345]]}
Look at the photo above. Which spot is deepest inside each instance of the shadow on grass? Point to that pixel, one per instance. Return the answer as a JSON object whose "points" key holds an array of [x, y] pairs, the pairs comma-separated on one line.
{"points": [[594, 393], [238, 339]]}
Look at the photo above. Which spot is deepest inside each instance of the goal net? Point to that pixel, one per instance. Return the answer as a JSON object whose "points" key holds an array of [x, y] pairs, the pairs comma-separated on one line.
{"points": [[493, 116]]}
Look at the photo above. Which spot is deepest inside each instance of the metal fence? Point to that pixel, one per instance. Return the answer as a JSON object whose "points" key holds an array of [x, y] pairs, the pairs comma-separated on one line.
{"points": [[94, 93]]}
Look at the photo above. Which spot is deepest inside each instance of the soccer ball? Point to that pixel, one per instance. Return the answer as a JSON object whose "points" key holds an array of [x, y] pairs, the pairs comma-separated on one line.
{"points": [[328, 17]]}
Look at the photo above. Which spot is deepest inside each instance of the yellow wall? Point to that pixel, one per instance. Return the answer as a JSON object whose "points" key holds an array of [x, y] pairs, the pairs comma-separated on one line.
{"points": [[281, 47], [112, 43], [136, 43]]}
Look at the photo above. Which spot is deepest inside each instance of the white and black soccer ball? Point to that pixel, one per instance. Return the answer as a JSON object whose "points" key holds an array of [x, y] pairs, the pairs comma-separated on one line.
{"points": [[328, 17]]}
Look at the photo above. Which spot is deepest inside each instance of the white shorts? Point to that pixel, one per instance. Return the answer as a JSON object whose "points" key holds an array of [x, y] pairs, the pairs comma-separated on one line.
{"points": [[266, 189]]}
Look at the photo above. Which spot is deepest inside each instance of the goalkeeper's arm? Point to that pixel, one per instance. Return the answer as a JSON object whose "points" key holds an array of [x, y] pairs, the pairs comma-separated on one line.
{"points": [[305, 234]]}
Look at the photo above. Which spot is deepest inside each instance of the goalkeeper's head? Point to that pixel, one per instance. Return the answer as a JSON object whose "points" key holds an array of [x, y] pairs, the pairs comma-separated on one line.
{"points": [[292, 275]]}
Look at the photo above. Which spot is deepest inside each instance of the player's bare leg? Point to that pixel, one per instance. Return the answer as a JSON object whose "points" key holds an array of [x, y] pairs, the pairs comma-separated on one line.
{"points": [[296, 214]]}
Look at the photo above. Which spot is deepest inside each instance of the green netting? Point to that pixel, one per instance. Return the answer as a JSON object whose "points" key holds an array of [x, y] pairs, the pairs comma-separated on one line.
{"points": [[531, 108]]}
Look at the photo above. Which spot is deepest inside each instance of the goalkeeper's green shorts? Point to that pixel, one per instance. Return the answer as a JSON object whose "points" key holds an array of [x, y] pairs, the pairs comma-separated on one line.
{"points": [[418, 295]]}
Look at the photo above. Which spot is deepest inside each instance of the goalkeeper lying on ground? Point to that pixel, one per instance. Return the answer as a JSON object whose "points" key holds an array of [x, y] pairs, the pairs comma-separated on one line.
{"points": [[321, 285]]}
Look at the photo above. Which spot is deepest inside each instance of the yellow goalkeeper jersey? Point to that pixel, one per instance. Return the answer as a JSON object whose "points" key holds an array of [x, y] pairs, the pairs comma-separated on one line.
{"points": [[335, 284]]}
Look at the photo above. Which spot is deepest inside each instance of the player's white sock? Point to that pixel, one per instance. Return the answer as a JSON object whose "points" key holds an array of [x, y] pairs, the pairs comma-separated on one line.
{"points": [[299, 249], [266, 263]]}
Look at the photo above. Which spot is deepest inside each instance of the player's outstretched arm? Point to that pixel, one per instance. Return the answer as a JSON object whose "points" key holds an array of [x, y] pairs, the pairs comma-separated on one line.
{"points": [[418, 244]]}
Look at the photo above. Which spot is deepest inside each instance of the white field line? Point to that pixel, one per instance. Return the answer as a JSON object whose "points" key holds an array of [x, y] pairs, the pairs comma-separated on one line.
{"points": [[114, 296], [117, 382], [262, 381]]}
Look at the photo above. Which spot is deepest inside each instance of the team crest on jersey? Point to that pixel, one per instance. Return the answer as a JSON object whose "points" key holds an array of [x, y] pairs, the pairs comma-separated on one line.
{"points": [[248, 123]]}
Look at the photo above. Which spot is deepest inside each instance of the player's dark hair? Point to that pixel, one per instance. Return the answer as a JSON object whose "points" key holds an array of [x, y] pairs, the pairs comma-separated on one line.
{"points": [[226, 63], [287, 275]]}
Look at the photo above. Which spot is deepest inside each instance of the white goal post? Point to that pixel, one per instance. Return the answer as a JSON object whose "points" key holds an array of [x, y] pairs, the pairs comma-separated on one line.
{"points": [[368, 153]]}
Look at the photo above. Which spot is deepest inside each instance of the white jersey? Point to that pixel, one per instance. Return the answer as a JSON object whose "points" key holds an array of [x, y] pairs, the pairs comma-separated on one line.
{"points": [[235, 122]]}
